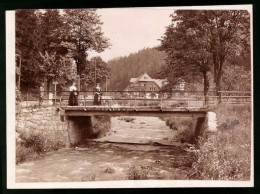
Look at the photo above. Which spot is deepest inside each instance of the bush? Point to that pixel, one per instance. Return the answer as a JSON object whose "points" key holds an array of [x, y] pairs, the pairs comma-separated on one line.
{"points": [[182, 127], [226, 154], [110, 169], [139, 173], [34, 141], [101, 125], [32, 145], [85, 178], [24, 153]]}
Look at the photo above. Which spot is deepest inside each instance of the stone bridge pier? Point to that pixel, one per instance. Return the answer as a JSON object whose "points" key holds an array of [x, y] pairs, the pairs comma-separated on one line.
{"points": [[80, 125], [79, 128]]}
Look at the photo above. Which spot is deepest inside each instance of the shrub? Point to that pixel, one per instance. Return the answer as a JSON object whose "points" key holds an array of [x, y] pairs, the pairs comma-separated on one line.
{"points": [[33, 145], [225, 154], [182, 127], [91, 177], [110, 169], [24, 153], [34, 141], [101, 125], [85, 178], [139, 173]]}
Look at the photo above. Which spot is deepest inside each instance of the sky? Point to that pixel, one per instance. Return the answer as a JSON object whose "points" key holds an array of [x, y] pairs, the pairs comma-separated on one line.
{"points": [[132, 29]]}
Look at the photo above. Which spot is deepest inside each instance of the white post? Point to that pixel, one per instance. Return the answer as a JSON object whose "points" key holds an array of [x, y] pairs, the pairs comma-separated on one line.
{"points": [[55, 94]]}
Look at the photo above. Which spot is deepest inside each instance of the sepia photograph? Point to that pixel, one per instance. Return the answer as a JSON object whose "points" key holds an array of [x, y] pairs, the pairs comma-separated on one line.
{"points": [[130, 97]]}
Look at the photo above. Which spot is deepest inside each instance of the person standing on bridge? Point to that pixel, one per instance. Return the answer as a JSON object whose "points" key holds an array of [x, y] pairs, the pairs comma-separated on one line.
{"points": [[97, 95], [73, 99]]}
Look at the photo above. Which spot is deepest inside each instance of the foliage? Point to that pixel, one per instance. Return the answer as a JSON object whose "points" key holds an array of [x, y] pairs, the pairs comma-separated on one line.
{"points": [[84, 178], [88, 73], [110, 169], [141, 172], [225, 154], [101, 125], [182, 129], [236, 78], [187, 51], [82, 32], [24, 153], [26, 31], [211, 37], [49, 43], [33, 145], [147, 60]]}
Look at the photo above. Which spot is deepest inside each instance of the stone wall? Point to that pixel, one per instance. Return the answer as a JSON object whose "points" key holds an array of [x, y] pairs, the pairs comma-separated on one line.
{"points": [[44, 121]]}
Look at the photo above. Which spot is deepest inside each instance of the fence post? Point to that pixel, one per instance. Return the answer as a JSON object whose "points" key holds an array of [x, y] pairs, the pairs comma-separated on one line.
{"points": [[109, 102], [161, 101], [135, 102], [60, 100], [188, 99], [26, 99], [85, 99]]}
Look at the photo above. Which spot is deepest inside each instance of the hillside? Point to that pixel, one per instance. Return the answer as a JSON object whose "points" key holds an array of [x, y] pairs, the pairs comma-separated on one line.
{"points": [[147, 60]]}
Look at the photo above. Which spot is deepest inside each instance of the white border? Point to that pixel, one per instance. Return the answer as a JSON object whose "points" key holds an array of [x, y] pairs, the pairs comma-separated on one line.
{"points": [[10, 132]]}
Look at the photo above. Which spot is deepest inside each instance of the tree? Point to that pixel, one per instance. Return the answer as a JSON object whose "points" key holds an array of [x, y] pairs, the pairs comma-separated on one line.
{"points": [[54, 55], [26, 31], [229, 36], [102, 71], [186, 50], [81, 33], [148, 60], [221, 34]]}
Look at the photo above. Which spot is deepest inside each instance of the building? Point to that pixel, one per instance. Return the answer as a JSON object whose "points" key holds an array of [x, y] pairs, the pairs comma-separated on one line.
{"points": [[179, 86], [145, 83]]}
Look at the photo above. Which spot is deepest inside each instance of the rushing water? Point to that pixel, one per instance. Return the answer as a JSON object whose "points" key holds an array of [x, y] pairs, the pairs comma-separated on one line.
{"points": [[128, 144]]}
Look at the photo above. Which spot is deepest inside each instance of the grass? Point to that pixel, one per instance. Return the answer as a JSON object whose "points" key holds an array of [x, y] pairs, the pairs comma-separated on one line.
{"points": [[85, 178], [30, 146], [182, 129], [141, 172], [101, 125], [110, 169], [225, 154]]}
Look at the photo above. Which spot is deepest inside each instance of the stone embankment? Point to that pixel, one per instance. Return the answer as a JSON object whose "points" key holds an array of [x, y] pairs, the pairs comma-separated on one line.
{"points": [[43, 121]]}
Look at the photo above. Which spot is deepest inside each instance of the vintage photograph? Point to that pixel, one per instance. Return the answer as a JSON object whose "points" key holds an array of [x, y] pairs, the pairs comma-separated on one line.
{"points": [[133, 94]]}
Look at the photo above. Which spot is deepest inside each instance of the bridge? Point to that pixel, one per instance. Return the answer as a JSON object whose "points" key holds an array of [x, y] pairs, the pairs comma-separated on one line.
{"points": [[139, 103], [136, 111]]}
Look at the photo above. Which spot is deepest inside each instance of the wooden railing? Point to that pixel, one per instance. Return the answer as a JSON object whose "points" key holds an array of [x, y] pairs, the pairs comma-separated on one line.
{"points": [[183, 99]]}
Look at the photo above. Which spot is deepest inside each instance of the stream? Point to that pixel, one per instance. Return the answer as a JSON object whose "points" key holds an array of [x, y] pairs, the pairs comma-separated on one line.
{"points": [[135, 146]]}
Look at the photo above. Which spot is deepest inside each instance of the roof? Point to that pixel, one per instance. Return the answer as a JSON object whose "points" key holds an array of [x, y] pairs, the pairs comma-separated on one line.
{"points": [[132, 80], [146, 78]]}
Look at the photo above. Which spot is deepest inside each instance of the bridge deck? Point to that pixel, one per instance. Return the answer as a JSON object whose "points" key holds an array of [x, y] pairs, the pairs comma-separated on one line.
{"points": [[133, 111]]}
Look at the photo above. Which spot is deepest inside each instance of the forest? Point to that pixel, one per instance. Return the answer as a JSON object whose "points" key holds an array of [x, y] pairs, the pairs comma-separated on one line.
{"points": [[210, 50], [147, 60], [53, 45]]}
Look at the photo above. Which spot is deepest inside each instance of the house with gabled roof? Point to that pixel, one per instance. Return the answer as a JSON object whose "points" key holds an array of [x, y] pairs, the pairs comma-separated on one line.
{"points": [[145, 83]]}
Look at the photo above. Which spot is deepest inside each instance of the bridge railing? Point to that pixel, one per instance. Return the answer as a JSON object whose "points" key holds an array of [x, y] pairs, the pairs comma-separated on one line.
{"points": [[182, 99], [235, 97]]}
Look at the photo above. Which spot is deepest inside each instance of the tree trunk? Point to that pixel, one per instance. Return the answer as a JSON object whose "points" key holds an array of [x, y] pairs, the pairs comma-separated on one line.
{"points": [[48, 87], [206, 88], [218, 89], [78, 83]]}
